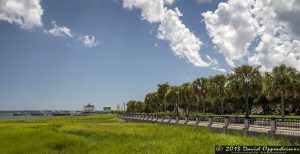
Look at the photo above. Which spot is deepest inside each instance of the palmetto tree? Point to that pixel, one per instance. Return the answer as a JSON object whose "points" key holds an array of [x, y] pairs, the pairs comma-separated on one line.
{"points": [[218, 89], [152, 102], [161, 92], [172, 97], [201, 85], [284, 81], [188, 96], [247, 79]]}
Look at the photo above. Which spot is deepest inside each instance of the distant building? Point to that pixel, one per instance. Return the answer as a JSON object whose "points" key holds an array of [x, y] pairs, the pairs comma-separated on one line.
{"points": [[89, 108], [107, 109]]}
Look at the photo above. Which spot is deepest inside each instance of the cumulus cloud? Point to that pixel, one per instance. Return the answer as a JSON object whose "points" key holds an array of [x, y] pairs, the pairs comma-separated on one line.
{"points": [[25, 13], [59, 30], [182, 41], [279, 34], [152, 11], [232, 28], [203, 1], [235, 25], [89, 41], [62, 31]]}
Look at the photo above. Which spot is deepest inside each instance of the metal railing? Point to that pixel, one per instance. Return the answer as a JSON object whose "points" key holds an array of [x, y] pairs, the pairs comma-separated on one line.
{"points": [[289, 126]]}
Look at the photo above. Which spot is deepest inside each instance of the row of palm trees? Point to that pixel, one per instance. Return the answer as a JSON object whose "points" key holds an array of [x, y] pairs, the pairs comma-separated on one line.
{"points": [[244, 87]]}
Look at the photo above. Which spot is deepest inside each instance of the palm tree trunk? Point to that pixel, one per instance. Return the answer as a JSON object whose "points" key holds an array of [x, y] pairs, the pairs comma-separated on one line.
{"points": [[222, 106], [282, 104], [247, 103], [203, 105]]}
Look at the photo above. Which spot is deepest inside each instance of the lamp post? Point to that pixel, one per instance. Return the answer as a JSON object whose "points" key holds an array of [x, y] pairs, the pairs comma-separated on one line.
{"points": [[147, 100], [176, 106], [247, 80], [203, 101]]}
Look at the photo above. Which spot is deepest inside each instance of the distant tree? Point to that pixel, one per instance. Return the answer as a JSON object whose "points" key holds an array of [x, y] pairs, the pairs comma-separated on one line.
{"points": [[188, 96], [152, 102], [131, 106], [140, 106], [284, 81], [161, 92], [201, 85], [247, 79], [172, 97], [217, 89]]}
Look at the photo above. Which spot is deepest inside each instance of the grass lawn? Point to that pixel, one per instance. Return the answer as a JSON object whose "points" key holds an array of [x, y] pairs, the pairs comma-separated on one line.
{"points": [[107, 134]]}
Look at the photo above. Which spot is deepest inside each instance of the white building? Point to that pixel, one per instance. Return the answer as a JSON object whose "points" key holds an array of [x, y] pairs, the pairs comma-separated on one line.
{"points": [[89, 108], [107, 109]]}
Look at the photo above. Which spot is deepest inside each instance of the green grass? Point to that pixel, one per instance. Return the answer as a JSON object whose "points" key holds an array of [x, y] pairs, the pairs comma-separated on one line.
{"points": [[107, 134]]}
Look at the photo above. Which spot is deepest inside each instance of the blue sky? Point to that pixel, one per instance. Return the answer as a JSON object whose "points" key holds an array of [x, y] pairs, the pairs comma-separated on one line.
{"points": [[66, 68]]}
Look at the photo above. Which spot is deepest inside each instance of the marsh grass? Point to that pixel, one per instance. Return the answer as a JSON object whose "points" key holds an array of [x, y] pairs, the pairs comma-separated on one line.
{"points": [[108, 134]]}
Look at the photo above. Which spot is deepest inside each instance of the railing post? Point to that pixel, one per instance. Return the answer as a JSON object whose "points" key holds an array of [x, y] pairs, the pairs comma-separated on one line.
{"points": [[125, 117], [151, 117], [157, 116], [197, 120], [210, 121], [186, 119], [247, 126], [162, 119], [177, 120], [169, 119], [226, 123], [143, 116], [272, 131]]}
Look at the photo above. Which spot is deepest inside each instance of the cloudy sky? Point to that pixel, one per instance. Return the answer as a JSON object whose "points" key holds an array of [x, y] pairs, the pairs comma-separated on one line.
{"points": [[57, 54]]}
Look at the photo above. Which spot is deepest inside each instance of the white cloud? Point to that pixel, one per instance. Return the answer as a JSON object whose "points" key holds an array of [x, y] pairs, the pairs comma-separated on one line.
{"points": [[279, 21], [62, 31], [151, 10], [25, 13], [236, 24], [232, 28], [218, 69], [59, 30], [203, 1], [182, 41], [89, 41]]}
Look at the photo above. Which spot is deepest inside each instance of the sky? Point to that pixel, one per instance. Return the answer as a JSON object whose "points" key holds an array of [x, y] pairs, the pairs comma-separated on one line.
{"points": [[57, 54]]}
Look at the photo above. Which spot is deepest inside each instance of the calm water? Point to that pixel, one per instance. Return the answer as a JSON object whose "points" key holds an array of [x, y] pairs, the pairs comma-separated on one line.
{"points": [[22, 117]]}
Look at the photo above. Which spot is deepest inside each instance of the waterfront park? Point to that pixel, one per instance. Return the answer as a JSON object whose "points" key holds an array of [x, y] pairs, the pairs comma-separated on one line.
{"points": [[241, 108]]}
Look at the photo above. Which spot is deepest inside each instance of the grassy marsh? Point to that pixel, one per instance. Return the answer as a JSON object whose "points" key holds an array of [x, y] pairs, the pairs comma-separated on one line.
{"points": [[108, 134]]}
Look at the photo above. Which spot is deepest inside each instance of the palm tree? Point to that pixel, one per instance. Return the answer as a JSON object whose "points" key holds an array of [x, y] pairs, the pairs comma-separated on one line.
{"points": [[140, 106], [152, 102], [161, 92], [131, 106], [248, 79], [202, 88], [284, 79], [172, 97], [218, 89], [188, 95]]}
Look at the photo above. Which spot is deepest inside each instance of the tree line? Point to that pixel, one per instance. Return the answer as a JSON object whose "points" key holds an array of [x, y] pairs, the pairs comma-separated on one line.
{"points": [[241, 91]]}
